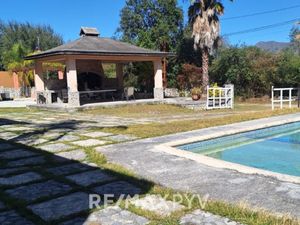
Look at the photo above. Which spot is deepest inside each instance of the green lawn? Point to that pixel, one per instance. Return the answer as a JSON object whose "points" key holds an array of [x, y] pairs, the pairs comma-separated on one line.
{"points": [[4, 111]]}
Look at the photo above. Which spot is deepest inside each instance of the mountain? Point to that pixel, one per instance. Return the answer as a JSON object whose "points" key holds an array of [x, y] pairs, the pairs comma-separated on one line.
{"points": [[272, 46]]}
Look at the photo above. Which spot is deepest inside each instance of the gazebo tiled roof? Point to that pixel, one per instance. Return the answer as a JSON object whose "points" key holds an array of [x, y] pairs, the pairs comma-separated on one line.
{"points": [[90, 44]]}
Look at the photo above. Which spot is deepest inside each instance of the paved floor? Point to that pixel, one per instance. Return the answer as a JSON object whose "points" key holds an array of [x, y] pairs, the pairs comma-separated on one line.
{"points": [[181, 101], [18, 103], [222, 184], [46, 176]]}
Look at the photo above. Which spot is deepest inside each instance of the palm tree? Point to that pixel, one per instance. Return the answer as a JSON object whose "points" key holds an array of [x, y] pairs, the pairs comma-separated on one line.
{"points": [[204, 18], [295, 38]]}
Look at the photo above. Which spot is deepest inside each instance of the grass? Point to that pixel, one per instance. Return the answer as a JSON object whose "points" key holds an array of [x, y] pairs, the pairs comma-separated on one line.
{"points": [[240, 212], [159, 129], [141, 111], [17, 110], [163, 110], [95, 157], [241, 107]]}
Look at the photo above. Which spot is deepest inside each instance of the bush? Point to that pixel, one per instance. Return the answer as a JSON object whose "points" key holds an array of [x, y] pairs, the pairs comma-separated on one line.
{"points": [[140, 76], [190, 76], [252, 70], [130, 80], [215, 93]]}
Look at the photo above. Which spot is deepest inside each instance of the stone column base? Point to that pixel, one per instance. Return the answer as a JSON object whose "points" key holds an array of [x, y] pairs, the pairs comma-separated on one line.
{"points": [[48, 96], [158, 93], [40, 98], [73, 99]]}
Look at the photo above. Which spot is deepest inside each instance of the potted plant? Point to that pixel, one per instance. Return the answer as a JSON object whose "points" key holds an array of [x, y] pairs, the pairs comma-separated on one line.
{"points": [[196, 93]]}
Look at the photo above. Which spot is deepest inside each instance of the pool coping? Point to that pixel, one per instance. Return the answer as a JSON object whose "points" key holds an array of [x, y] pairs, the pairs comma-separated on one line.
{"points": [[171, 148]]}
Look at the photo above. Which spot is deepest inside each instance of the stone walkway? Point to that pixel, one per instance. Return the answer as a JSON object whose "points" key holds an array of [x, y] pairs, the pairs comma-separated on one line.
{"points": [[46, 177]]}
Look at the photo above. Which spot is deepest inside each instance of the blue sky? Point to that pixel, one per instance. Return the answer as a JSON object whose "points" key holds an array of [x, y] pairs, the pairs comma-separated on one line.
{"points": [[66, 16]]}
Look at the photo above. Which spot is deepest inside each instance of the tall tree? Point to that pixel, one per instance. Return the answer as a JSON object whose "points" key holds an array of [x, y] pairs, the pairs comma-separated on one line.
{"points": [[151, 23], [14, 62], [204, 18], [295, 39], [154, 24], [28, 36]]}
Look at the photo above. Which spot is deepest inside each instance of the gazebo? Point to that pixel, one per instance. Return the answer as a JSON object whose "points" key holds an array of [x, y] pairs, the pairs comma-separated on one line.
{"points": [[83, 60]]}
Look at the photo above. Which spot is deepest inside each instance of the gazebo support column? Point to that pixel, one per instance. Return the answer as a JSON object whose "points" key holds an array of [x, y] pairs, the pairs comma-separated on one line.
{"points": [[73, 94], [119, 71], [39, 82], [158, 80], [38, 77]]}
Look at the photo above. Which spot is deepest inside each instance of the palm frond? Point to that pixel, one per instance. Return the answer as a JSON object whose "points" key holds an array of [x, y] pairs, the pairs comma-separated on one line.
{"points": [[203, 15], [194, 10], [219, 8]]}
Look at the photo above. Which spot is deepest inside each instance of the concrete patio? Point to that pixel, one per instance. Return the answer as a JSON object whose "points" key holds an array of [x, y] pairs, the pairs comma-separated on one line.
{"points": [[18, 103]]}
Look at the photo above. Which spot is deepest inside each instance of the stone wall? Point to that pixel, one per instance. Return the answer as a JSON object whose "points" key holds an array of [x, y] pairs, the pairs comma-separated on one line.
{"points": [[74, 99], [158, 93], [171, 93]]}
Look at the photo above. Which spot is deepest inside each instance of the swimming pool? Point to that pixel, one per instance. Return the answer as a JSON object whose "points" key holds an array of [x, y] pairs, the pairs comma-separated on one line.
{"points": [[276, 149]]}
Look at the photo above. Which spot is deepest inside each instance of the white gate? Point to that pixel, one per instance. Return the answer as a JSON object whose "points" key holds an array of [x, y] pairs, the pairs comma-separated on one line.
{"points": [[220, 97], [283, 95]]}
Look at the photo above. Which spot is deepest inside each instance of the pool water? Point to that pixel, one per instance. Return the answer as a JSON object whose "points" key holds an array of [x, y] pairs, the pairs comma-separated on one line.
{"points": [[276, 149]]}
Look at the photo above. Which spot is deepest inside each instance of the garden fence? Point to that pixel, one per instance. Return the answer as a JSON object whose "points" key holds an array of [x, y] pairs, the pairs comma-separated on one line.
{"points": [[279, 96], [220, 97]]}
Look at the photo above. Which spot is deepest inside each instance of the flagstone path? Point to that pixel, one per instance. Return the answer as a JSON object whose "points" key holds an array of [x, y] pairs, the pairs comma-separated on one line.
{"points": [[46, 177]]}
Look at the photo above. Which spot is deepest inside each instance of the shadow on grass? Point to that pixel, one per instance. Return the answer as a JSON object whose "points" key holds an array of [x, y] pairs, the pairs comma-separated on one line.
{"points": [[61, 129], [23, 178], [11, 122]]}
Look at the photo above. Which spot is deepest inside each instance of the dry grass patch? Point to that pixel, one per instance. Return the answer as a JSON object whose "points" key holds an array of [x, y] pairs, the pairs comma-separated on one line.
{"points": [[17, 110], [159, 129], [141, 111]]}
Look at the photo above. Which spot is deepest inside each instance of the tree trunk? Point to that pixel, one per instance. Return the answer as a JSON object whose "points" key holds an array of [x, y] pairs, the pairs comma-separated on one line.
{"points": [[164, 63], [165, 80], [205, 62]]}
